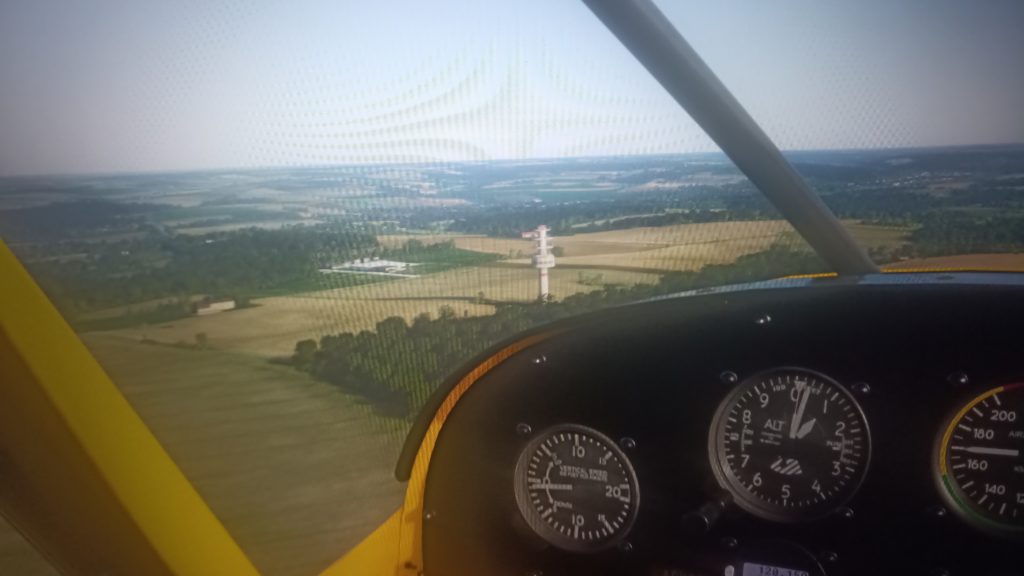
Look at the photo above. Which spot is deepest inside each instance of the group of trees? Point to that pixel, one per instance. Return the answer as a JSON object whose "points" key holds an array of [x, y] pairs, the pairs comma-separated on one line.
{"points": [[155, 277], [967, 232], [664, 208], [436, 256], [240, 264], [397, 365], [61, 220]]}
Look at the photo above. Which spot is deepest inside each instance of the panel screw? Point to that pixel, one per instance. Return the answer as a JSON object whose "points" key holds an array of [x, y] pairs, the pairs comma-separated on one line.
{"points": [[626, 547], [627, 443], [523, 429], [542, 359], [958, 379], [763, 320], [429, 515], [938, 512], [846, 513], [862, 388], [728, 377], [829, 557], [729, 543]]}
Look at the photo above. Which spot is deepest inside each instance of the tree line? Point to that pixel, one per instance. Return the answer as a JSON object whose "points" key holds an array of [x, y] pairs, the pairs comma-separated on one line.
{"points": [[239, 264], [397, 365]]}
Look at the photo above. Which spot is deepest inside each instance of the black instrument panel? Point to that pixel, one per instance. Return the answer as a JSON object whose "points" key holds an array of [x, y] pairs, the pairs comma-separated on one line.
{"points": [[651, 376]]}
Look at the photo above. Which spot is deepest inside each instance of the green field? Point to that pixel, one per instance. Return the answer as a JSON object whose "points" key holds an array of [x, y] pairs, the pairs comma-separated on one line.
{"points": [[296, 470]]}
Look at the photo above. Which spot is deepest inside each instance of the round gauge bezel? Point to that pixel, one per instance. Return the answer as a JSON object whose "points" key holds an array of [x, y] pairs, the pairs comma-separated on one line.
{"points": [[533, 518], [751, 503], [950, 492]]}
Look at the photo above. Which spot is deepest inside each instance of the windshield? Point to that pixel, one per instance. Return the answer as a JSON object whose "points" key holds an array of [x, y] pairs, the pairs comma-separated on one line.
{"points": [[280, 227]]}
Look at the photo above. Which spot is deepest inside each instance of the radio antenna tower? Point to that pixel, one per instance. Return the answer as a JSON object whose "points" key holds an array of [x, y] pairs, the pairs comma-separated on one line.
{"points": [[543, 259]]}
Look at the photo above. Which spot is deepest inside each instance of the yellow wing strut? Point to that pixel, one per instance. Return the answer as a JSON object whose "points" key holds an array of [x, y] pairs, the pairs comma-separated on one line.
{"points": [[80, 473]]}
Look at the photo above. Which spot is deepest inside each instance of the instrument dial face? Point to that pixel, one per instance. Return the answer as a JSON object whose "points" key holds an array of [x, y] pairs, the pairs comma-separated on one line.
{"points": [[576, 489], [790, 445], [981, 460]]}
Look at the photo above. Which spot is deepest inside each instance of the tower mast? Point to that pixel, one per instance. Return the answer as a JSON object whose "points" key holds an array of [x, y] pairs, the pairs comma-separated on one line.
{"points": [[543, 259]]}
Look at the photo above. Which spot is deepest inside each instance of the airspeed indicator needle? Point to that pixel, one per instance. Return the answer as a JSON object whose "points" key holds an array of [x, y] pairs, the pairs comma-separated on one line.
{"points": [[1012, 452], [980, 468]]}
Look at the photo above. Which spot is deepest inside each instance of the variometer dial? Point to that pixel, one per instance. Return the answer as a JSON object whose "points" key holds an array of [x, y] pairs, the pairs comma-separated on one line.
{"points": [[576, 489], [981, 460], [790, 444]]}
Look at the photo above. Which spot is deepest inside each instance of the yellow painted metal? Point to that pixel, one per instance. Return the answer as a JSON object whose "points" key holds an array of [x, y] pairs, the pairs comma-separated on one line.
{"points": [[951, 428], [906, 271], [396, 548], [377, 555], [80, 473]]}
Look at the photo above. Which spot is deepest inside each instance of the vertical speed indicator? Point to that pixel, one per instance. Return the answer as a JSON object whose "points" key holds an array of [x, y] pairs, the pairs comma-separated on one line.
{"points": [[576, 489], [790, 444]]}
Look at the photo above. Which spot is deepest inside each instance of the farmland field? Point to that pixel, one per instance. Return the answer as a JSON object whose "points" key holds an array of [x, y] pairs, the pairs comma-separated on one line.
{"points": [[999, 262], [659, 249], [671, 248], [621, 257], [274, 326], [872, 236], [720, 241], [276, 455]]}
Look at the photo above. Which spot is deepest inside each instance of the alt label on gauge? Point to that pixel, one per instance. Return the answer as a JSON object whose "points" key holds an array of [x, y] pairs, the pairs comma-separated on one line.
{"points": [[790, 444]]}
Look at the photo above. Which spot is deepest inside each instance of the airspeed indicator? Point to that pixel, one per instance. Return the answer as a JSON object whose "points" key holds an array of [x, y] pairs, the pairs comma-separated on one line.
{"points": [[981, 460]]}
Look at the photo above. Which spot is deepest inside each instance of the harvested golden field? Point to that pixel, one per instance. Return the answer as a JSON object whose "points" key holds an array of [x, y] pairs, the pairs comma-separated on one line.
{"points": [[297, 471], [678, 257], [998, 262], [871, 236], [274, 326], [693, 244], [622, 257], [670, 248], [733, 238]]}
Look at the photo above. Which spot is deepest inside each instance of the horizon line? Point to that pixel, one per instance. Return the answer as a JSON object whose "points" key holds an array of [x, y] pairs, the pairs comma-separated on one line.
{"points": [[534, 159]]}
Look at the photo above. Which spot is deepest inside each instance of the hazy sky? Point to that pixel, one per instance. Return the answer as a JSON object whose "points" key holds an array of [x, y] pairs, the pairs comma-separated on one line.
{"points": [[132, 85]]}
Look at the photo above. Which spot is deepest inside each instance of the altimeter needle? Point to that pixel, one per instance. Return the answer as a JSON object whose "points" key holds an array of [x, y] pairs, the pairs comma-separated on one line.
{"points": [[805, 392], [806, 428]]}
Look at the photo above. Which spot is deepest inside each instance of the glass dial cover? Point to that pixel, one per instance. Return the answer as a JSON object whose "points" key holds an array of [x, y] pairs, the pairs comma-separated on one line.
{"points": [[790, 444], [576, 489], [980, 460]]}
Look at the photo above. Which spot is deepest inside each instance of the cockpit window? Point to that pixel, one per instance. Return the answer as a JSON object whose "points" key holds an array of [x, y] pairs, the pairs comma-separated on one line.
{"points": [[279, 226]]}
